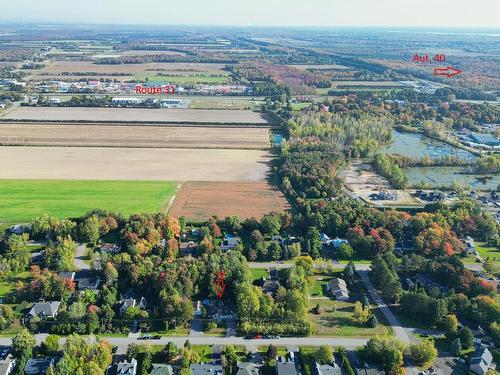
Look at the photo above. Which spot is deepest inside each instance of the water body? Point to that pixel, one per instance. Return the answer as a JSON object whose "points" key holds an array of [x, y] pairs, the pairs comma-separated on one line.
{"points": [[444, 176], [417, 146]]}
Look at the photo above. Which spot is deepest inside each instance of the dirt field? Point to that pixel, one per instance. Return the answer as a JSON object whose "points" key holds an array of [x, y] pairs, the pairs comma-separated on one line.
{"points": [[88, 68], [200, 200], [362, 181], [134, 136], [167, 115], [366, 83], [99, 163]]}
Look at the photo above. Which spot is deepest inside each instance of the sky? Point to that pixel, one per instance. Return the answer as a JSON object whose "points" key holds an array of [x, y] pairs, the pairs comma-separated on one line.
{"points": [[423, 13]]}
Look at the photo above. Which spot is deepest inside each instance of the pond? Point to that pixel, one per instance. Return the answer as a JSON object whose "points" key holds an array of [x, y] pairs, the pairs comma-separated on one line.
{"points": [[417, 146], [444, 176]]}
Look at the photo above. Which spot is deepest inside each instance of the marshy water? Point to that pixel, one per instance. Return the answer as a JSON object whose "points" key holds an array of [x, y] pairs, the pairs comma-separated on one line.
{"points": [[418, 146]]}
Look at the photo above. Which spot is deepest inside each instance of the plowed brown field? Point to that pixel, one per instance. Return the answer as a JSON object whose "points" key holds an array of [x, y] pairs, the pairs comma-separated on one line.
{"points": [[200, 200]]}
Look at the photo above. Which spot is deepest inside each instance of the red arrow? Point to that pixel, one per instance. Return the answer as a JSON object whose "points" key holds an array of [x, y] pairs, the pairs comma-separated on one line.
{"points": [[448, 72]]}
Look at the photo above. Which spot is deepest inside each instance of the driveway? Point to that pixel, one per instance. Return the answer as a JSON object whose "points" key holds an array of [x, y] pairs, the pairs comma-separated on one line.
{"points": [[80, 256], [401, 333]]}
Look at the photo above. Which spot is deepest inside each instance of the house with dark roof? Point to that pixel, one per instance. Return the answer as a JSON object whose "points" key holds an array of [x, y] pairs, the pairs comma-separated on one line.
{"points": [[44, 310], [161, 369], [88, 283], [206, 369], [111, 248], [288, 365], [132, 302], [121, 366], [480, 361], [38, 366], [269, 287]]}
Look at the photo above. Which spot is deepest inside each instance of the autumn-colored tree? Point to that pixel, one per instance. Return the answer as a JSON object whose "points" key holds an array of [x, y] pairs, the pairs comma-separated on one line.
{"points": [[172, 249], [173, 228]]}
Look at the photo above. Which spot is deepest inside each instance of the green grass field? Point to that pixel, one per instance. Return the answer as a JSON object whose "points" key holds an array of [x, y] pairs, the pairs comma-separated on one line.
{"points": [[185, 79], [487, 251], [21, 200]]}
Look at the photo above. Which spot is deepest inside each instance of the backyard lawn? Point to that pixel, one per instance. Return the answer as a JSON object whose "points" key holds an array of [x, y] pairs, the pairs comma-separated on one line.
{"points": [[336, 320]]}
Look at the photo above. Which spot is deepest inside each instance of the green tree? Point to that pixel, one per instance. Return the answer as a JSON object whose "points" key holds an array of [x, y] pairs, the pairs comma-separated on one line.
{"points": [[345, 251], [51, 345], [423, 353], [274, 250], [466, 337], [456, 347], [324, 355], [271, 223], [23, 343], [271, 353], [89, 230], [450, 325]]}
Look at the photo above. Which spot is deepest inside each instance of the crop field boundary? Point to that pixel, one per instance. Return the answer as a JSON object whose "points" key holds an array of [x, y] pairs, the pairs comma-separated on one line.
{"points": [[147, 123]]}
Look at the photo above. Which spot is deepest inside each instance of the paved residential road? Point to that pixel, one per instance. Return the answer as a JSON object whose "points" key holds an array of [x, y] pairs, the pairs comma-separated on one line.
{"points": [[401, 333], [359, 266], [123, 342]]}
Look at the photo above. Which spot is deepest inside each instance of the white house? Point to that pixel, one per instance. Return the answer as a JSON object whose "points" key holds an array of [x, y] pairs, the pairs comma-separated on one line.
{"points": [[230, 242], [338, 288]]}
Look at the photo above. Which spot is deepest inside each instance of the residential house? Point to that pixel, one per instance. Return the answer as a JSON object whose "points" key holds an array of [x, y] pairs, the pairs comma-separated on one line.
{"points": [[161, 369], [7, 361], [206, 369], [338, 288], [132, 302], [336, 242], [44, 310], [330, 369], [187, 247], [198, 309], [121, 366], [248, 368], [88, 283], [67, 276], [111, 248], [38, 366], [273, 273], [470, 246], [230, 242], [288, 365], [269, 287], [480, 361]]}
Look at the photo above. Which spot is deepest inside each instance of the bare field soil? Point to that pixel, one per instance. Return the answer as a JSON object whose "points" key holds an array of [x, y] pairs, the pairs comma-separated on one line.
{"points": [[200, 200], [80, 67], [99, 163], [133, 136], [167, 115], [366, 83], [362, 180]]}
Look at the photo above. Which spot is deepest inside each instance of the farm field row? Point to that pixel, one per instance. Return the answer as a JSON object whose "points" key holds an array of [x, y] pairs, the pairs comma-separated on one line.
{"points": [[150, 115], [163, 164], [80, 67], [21, 200], [133, 136], [200, 200]]}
